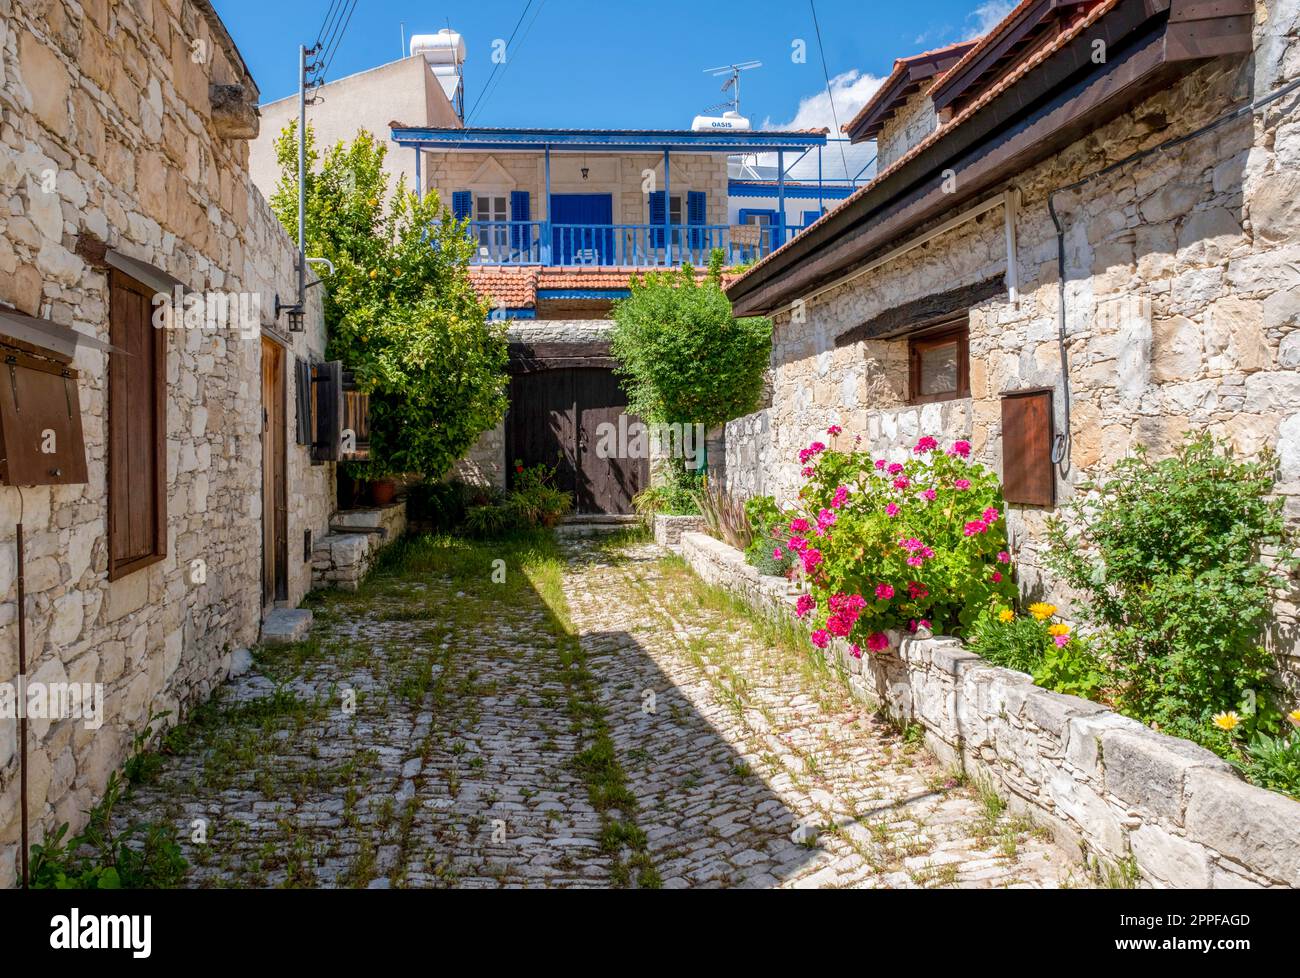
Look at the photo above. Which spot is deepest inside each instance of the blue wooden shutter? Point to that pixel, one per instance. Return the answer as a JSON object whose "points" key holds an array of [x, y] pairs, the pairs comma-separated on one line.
{"points": [[521, 238], [657, 204], [697, 213], [462, 204]]}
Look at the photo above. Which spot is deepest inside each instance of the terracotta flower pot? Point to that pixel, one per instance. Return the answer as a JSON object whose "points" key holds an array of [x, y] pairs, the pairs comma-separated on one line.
{"points": [[382, 491]]}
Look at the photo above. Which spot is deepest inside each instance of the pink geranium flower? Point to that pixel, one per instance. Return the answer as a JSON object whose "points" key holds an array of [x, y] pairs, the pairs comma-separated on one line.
{"points": [[877, 641], [974, 527], [855, 651], [812, 451], [834, 430], [894, 468], [811, 558], [806, 471], [917, 591], [841, 494], [926, 444], [902, 482], [777, 553], [880, 463], [929, 494], [825, 519], [891, 509], [997, 577], [961, 484], [797, 544], [884, 591], [960, 448], [799, 525], [1004, 557], [805, 604], [1061, 640], [991, 515], [819, 638], [913, 625]]}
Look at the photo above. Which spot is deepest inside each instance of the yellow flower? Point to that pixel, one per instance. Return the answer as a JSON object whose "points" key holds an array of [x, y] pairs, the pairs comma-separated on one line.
{"points": [[1294, 717], [1058, 629], [1042, 610], [1006, 615], [1227, 721]]}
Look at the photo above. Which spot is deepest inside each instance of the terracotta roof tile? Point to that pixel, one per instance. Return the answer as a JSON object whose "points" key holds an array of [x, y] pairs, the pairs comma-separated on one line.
{"points": [[516, 287], [507, 287], [900, 66], [1007, 81]]}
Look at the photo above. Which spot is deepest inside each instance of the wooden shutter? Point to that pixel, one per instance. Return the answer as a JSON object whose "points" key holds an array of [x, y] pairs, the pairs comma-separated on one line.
{"points": [[1028, 475], [137, 429], [657, 215], [328, 384], [697, 213], [302, 400], [462, 204], [40, 423], [520, 237]]}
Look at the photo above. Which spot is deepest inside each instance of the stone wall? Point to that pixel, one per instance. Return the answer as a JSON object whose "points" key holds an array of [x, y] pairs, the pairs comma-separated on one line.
{"points": [[343, 558], [913, 121], [1103, 783], [1183, 304], [109, 137]]}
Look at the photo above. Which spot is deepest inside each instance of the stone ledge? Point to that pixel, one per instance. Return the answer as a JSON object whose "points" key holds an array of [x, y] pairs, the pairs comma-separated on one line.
{"points": [[669, 529], [343, 557], [1099, 780]]}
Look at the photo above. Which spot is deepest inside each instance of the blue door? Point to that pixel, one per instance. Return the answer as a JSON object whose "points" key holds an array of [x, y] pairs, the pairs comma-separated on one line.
{"points": [[576, 235]]}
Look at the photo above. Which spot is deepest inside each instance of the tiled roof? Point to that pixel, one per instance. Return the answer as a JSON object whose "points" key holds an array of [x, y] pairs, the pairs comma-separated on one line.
{"points": [[1031, 62], [517, 287], [999, 29], [901, 65], [511, 288]]}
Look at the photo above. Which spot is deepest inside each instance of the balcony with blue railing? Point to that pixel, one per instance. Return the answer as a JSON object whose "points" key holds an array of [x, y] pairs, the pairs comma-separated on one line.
{"points": [[619, 245]]}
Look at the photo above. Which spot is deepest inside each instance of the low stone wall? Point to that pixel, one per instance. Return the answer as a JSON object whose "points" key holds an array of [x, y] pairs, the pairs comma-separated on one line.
{"points": [[669, 529], [343, 558], [1099, 780]]}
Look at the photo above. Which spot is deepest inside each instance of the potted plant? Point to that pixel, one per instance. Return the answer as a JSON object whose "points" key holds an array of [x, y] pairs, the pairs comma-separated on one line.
{"points": [[382, 491]]}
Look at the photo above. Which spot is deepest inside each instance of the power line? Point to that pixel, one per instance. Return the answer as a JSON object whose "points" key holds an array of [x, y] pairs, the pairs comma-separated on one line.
{"points": [[328, 57], [827, 75], [487, 94], [469, 118], [335, 5]]}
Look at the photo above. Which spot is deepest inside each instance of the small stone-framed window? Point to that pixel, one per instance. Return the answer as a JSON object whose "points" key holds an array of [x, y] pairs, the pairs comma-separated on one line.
{"points": [[939, 363]]}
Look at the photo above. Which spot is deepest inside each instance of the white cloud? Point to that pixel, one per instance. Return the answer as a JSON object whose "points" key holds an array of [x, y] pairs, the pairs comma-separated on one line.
{"points": [[986, 16], [852, 90]]}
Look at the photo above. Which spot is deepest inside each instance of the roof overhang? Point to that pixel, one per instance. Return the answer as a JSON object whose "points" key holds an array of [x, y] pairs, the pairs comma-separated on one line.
{"points": [[903, 82], [1059, 100], [604, 140], [794, 191]]}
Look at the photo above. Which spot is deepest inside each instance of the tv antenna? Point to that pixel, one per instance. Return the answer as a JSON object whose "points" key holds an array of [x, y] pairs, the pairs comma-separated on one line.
{"points": [[732, 84]]}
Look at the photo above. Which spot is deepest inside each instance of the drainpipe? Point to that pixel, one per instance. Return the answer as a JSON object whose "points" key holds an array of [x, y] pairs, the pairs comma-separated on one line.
{"points": [[22, 694], [1061, 446]]}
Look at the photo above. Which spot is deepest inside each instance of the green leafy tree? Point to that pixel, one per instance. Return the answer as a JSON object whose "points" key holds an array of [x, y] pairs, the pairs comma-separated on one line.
{"points": [[399, 307], [684, 358], [1169, 556]]}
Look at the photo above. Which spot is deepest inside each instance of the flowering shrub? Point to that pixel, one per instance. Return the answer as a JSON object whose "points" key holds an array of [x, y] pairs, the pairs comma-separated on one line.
{"points": [[903, 545], [1045, 648]]}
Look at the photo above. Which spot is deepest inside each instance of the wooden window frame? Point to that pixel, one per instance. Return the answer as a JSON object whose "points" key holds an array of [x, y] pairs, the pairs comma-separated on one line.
{"points": [[118, 569], [931, 338]]}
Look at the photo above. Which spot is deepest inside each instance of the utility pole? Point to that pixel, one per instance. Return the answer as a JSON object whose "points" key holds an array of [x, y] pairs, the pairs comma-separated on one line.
{"points": [[296, 310]]}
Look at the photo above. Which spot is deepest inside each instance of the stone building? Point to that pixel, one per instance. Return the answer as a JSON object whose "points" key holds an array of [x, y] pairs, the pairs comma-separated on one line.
{"points": [[931, 301], [124, 181]]}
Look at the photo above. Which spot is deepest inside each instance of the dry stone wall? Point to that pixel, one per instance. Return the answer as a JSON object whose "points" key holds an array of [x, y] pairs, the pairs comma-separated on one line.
{"points": [[107, 136], [1103, 783]]}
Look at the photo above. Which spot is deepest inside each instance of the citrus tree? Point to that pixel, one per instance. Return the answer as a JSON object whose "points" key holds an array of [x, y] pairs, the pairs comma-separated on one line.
{"points": [[399, 308]]}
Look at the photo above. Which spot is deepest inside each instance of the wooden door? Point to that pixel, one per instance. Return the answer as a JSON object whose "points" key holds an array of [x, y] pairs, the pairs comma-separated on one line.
{"points": [[275, 511], [555, 419]]}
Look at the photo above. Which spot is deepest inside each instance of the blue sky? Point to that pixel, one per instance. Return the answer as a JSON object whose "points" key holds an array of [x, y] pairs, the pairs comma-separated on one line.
{"points": [[576, 63]]}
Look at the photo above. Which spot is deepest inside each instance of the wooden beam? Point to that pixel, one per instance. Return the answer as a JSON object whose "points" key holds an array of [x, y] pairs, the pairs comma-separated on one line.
{"points": [[912, 317]]}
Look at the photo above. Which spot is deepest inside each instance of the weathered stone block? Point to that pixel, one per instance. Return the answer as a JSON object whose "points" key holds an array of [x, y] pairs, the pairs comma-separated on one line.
{"points": [[1169, 860], [1148, 770], [1258, 828]]}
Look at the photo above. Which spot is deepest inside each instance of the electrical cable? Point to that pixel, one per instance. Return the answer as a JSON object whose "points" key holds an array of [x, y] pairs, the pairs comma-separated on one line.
{"points": [[497, 65], [844, 161]]}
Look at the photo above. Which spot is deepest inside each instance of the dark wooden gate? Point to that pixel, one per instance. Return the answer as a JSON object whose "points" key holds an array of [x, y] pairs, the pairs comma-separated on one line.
{"points": [[555, 419]]}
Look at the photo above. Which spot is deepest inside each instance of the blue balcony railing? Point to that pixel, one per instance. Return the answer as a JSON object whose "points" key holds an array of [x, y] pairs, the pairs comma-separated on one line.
{"points": [[622, 245]]}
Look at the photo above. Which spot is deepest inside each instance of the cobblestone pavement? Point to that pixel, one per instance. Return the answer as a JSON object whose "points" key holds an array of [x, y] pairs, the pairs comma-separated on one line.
{"points": [[597, 718]]}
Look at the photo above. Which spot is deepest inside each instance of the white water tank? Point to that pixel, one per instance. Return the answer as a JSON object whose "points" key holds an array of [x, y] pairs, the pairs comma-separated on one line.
{"points": [[727, 122], [444, 48]]}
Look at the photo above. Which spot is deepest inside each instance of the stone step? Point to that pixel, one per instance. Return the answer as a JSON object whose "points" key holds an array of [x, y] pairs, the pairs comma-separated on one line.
{"points": [[567, 530], [284, 626]]}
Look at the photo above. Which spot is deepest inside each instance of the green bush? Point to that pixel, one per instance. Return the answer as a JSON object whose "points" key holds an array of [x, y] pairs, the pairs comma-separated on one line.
{"points": [[1046, 649], [534, 502], [1273, 762], [142, 856], [444, 505], [766, 552], [681, 354], [400, 311], [675, 496], [1168, 557]]}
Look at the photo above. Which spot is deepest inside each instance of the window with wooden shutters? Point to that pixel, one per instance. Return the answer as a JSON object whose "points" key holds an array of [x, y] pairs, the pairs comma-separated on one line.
{"points": [[1027, 430], [137, 430], [939, 362]]}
